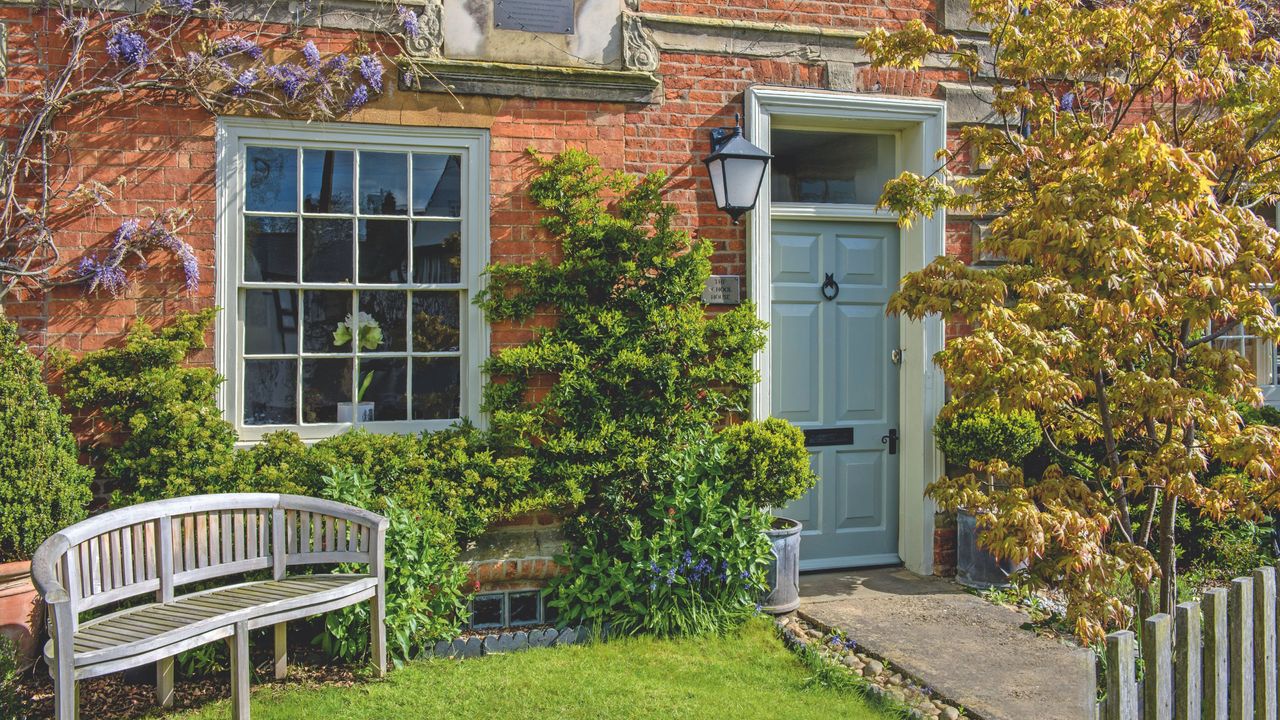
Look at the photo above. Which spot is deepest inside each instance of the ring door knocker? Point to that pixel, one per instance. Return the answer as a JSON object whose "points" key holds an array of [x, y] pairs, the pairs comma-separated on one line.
{"points": [[830, 288]]}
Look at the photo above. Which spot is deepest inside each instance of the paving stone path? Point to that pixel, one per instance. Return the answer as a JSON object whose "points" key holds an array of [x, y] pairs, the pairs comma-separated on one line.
{"points": [[970, 651]]}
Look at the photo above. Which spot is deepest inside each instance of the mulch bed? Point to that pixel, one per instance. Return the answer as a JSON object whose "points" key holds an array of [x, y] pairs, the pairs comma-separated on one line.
{"points": [[118, 696]]}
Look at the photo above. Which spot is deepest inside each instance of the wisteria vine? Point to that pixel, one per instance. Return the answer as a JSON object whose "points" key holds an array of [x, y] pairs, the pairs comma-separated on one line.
{"points": [[175, 51]]}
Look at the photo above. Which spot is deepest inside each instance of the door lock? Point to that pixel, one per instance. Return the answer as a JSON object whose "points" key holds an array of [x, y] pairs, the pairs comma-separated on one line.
{"points": [[891, 440], [895, 357]]}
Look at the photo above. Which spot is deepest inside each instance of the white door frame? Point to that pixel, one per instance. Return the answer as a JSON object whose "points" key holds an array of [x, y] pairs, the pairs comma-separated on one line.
{"points": [[921, 128]]}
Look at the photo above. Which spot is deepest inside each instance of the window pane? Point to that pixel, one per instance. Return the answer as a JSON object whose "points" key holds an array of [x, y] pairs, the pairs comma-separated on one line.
{"points": [[384, 183], [385, 309], [327, 326], [437, 185], [387, 380], [437, 254], [271, 179], [435, 322], [326, 383], [269, 397], [327, 181], [829, 167], [326, 250], [435, 388], [270, 322], [270, 249], [384, 251]]}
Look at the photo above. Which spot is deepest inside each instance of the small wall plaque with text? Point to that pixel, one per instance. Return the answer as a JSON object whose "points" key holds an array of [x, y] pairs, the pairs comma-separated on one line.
{"points": [[723, 290], [544, 16]]}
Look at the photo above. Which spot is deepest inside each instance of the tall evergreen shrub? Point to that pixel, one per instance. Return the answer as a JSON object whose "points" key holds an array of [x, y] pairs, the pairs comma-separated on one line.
{"points": [[42, 486], [632, 359]]}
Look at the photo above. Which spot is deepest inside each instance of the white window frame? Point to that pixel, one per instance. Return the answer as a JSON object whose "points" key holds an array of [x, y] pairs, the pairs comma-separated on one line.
{"points": [[233, 135]]}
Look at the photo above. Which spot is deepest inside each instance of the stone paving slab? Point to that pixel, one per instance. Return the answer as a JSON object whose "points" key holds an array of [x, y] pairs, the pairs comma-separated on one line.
{"points": [[972, 652]]}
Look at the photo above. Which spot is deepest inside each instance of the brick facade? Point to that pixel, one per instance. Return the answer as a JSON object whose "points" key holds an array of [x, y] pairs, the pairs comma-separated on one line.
{"points": [[163, 154]]}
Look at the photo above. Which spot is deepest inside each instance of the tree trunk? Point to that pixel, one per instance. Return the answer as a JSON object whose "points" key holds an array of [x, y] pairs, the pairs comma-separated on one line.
{"points": [[1168, 558]]}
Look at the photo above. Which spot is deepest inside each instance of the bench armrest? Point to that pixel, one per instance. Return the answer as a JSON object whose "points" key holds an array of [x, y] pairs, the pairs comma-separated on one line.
{"points": [[45, 565]]}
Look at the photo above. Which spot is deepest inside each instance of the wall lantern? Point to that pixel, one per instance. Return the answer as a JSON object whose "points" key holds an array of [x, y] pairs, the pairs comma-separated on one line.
{"points": [[737, 170]]}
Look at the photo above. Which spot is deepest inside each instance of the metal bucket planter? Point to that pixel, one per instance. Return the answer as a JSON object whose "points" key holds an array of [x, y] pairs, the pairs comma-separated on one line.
{"points": [[975, 567], [784, 573]]}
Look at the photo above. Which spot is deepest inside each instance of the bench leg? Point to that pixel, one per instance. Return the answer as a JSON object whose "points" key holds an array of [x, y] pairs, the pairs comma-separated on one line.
{"points": [[378, 630], [66, 700], [282, 651], [164, 682], [240, 673]]}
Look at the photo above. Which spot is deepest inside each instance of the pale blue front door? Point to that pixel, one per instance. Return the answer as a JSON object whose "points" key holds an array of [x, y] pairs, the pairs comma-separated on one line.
{"points": [[835, 375]]}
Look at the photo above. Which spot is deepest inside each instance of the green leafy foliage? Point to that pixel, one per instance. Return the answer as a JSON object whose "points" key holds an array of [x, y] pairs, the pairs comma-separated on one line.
{"points": [[43, 488], [175, 440], [426, 595], [766, 463], [631, 358], [460, 473], [11, 704], [693, 562], [984, 434]]}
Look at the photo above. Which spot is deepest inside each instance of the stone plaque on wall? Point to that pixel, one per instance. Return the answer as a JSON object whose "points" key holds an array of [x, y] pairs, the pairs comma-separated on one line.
{"points": [[722, 290], [549, 16]]}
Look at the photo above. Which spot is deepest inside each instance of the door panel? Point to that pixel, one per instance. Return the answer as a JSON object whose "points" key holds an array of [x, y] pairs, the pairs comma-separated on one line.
{"points": [[831, 369]]}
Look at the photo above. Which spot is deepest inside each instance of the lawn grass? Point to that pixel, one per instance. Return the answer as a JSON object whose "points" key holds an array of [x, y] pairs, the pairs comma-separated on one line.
{"points": [[745, 675]]}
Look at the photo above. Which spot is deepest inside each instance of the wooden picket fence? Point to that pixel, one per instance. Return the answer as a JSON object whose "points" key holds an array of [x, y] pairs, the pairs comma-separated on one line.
{"points": [[1215, 659]]}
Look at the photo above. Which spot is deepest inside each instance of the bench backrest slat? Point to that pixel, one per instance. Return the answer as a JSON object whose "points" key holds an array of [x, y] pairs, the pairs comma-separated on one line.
{"points": [[157, 547]]}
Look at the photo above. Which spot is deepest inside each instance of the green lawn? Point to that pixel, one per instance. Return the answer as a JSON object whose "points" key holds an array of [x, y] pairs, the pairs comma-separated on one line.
{"points": [[745, 675]]}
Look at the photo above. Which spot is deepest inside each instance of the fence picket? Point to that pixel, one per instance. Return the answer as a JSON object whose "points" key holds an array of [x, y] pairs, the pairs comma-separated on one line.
{"points": [[1157, 652], [1122, 690], [1187, 660], [1240, 609], [1264, 643], [1213, 607]]}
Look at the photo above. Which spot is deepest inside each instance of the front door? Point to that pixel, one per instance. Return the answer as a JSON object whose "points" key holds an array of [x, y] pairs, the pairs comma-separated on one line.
{"points": [[835, 375]]}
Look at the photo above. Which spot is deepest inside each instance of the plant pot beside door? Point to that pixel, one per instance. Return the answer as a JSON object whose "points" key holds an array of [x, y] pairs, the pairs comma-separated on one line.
{"points": [[784, 572], [975, 566]]}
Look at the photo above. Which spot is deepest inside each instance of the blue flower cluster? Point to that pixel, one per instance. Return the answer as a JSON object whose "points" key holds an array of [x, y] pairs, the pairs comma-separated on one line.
{"points": [[409, 20], [237, 45], [127, 45], [694, 570], [132, 238], [371, 70]]}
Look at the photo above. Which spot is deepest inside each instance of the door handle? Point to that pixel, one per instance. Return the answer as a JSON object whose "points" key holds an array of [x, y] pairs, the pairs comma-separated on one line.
{"points": [[830, 288], [891, 440]]}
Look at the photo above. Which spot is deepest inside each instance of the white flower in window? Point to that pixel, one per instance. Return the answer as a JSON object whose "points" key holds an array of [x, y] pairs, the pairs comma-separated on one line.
{"points": [[362, 325]]}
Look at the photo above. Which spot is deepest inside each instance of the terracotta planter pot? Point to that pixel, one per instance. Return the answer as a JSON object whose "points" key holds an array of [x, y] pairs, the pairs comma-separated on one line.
{"points": [[21, 612]]}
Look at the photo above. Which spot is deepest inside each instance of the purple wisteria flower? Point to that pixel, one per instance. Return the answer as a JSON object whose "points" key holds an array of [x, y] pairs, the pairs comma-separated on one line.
{"points": [[236, 44], [102, 276], [358, 98], [408, 19], [127, 45], [337, 63], [244, 82], [371, 71], [311, 54], [74, 25], [184, 6], [289, 78], [1068, 102]]}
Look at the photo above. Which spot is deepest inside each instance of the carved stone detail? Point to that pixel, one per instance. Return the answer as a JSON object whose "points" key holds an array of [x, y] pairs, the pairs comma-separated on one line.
{"points": [[429, 42], [639, 52]]}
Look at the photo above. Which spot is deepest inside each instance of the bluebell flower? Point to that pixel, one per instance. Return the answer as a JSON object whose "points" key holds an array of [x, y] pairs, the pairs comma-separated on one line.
{"points": [[653, 568], [686, 559], [236, 44], [358, 98], [745, 574], [371, 71], [653, 586], [127, 46], [311, 54], [671, 576]]}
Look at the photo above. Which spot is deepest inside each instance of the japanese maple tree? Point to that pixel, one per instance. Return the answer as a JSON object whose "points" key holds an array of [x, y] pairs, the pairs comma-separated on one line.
{"points": [[1135, 142]]}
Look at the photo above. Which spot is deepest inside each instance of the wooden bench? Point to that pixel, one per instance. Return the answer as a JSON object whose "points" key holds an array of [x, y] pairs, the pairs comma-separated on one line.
{"points": [[157, 547]]}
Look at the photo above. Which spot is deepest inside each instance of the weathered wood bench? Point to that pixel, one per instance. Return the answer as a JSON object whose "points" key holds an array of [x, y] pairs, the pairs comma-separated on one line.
{"points": [[157, 547]]}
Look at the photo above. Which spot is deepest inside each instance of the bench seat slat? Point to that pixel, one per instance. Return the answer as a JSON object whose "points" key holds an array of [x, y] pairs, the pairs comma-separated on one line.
{"points": [[145, 628]]}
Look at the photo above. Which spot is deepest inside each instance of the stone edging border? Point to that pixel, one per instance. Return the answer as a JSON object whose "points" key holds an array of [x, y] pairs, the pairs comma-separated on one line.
{"points": [[474, 646], [877, 677]]}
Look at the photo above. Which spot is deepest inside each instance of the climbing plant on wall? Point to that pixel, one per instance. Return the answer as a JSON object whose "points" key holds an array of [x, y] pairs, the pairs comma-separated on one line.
{"points": [[88, 58]]}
